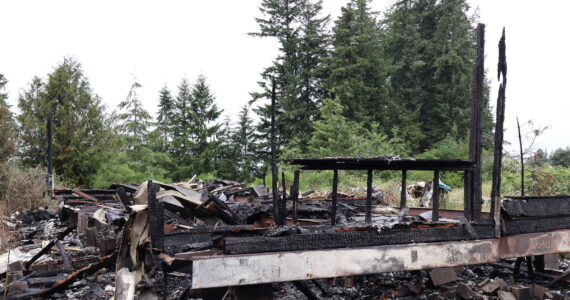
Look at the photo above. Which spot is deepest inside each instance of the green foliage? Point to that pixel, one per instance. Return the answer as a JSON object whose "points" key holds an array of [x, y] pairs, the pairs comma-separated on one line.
{"points": [[136, 155], [358, 76], [164, 121], [561, 157], [7, 143], [80, 130], [336, 135], [429, 49], [297, 72], [194, 130]]}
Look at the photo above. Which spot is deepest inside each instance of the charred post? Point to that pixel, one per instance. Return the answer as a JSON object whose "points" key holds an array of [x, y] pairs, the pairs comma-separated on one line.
{"points": [[403, 192], [475, 138], [49, 152], [274, 171], [498, 147], [521, 157], [334, 196], [368, 218], [295, 194], [283, 203], [435, 197]]}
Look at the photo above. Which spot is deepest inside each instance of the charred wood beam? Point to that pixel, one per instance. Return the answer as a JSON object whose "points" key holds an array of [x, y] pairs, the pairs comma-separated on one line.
{"points": [[64, 256], [334, 196], [125, 199], [45, 249], [500, 120], [283, 202], [274, 171], [435, 197], [295, 194], [315, 241], [531, 225], [155, 217], [306, 290], [475, 138], [403, 192], [375, 164], [368, 217], [536, 207], [104, 262]]}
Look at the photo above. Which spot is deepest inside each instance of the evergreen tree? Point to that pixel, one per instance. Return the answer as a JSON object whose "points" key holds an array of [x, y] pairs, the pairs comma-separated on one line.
{"points": [[429, 46], [244, 141], [229, 154], [182, 143], [296, 72], [204, 129], [165, 115], [7, 143], [134, 119], [80, 131], [357, 72], [334, 134]]}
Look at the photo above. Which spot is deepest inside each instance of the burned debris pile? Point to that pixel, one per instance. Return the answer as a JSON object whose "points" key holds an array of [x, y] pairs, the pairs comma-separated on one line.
{"points": [[133, 240]]}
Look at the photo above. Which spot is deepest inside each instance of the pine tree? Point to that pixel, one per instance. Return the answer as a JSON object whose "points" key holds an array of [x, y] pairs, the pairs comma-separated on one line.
{"points": [[7, 143], [165, 116], [80, 130], [430, 48], [244, 141], [296, 72], [135, 120], [334, 135], [204, 113], [182, 142], [357, 72]]}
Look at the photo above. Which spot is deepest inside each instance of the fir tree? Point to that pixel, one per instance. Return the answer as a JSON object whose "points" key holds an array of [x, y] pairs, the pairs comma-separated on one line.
{"points": [[165, 116], [182, 143], [80, 131], [204, 129], [296, 72], [135, 120], [357, 73], [430, 49], [7, 143]]}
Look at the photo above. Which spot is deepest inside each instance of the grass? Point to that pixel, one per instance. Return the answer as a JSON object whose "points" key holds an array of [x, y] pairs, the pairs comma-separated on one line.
{"points": [[354, 183]]}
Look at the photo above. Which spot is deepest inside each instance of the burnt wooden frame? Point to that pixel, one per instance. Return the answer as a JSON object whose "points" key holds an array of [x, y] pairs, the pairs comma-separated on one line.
{"points": [[371, 164]]}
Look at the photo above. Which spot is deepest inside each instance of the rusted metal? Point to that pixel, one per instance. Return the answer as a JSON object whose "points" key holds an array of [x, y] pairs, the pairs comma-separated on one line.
{"points": [[232, 270]]}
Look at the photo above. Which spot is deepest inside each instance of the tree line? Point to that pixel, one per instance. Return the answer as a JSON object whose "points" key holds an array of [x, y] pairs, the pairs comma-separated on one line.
{"points": [[365, 84]]}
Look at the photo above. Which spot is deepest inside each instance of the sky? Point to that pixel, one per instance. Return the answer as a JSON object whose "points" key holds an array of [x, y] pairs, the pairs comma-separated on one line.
{"points": [[161, 42]]}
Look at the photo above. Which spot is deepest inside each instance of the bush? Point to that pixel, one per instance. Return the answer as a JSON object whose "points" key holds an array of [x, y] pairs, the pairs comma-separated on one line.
{"points": [[24, 190]]}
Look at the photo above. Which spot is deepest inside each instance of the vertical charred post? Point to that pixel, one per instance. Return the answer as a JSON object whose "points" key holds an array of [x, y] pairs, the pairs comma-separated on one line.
{"points": [[49, 152], [295, 194], [368, 218], [403, 192], [500, 120], [435, 197], [475, 138], [334, 196], [274, 171], [283, 203]]}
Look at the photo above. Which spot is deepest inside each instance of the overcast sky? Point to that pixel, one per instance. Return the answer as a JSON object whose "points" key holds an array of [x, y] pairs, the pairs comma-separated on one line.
{"points": [[160, 42]]}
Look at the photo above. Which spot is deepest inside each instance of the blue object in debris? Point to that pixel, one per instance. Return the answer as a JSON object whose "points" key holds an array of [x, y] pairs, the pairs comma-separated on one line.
{"points": [[444, 186]]}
